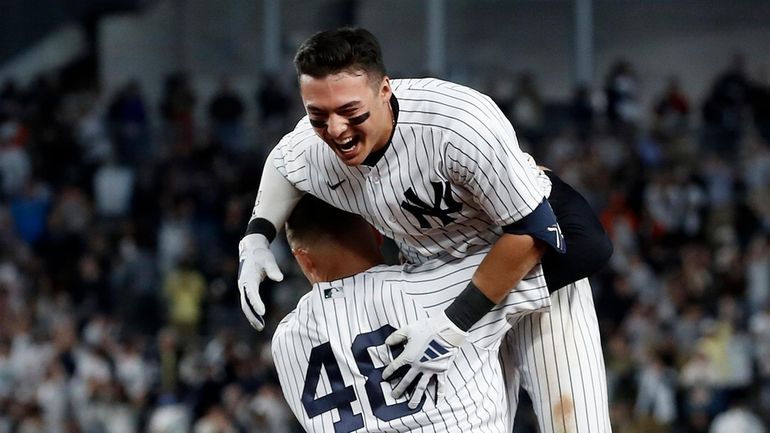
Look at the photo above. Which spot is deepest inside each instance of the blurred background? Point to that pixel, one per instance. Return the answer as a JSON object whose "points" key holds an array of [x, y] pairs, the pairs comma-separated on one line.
{"points": [[132, 137]]}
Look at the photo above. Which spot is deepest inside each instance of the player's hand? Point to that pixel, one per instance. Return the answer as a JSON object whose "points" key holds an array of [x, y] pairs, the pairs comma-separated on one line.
{"points": [[256, 262], [431, 345]]}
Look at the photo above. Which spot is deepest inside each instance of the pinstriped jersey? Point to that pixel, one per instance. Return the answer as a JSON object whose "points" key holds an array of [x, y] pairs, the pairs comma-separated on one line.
{"points": [[330, 351], [452, 175]]}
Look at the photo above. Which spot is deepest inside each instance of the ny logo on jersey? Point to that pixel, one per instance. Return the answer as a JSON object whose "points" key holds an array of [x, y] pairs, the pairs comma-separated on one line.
{"points": [[420, 209]]}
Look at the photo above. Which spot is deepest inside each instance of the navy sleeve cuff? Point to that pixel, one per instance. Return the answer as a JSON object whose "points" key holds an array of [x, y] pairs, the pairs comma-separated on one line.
{"points": [[540, 224]]}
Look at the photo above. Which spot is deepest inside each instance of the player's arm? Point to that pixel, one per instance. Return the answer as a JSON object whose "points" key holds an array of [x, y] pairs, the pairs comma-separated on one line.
{"points": [[589, 246], [432, 343], [535, 238], [515, 253], [276, 199]]}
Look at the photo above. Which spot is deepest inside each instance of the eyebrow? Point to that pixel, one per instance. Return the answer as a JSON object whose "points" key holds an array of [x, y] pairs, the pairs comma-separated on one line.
{"points": [[344, 107]]}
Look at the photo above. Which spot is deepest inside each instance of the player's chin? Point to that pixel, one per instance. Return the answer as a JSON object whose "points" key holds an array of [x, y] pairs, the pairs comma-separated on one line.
{"points": [[354, 157], [352, 162]]}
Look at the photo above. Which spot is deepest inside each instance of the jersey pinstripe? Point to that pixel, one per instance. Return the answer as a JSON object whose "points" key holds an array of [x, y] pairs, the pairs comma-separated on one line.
{"points": [[556, 356], [334, 341], [453, 173]]}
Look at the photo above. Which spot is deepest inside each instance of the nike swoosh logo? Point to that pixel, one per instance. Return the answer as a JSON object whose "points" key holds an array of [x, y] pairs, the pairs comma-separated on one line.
{"points": [[336, 185]]}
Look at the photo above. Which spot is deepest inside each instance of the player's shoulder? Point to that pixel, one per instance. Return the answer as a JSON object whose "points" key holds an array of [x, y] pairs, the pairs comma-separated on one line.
{"points": [[437, 91], [443, 103], [368, 287], [298, 314], [373, 291], [298, 139]]}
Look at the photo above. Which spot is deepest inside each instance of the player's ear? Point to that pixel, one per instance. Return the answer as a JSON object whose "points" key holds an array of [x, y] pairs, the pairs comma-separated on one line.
{"points": [[385, 90], [306, 263]]}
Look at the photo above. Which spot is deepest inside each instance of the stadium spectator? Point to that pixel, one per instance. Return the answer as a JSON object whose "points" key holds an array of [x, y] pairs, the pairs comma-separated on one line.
{"points": [[672, 111], [622, 94], [225, 115]]}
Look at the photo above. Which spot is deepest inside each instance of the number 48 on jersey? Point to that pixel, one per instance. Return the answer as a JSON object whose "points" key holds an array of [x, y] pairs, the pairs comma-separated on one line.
{"points": [[342, 396]]}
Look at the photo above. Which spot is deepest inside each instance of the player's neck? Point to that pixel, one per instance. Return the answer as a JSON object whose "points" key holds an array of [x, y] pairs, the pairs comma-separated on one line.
{"points": [[379, 150], [344, 264]]}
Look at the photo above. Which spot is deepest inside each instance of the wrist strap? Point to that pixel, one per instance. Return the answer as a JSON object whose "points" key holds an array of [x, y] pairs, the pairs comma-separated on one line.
{"points": [[469, 307], [263, 227]]}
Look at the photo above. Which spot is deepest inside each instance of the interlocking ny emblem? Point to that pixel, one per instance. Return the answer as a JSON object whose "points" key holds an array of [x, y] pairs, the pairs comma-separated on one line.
{"points": [[420, 209]]}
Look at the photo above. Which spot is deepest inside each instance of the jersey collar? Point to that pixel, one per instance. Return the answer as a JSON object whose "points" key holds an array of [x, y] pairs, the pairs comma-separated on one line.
{"points": [[374, 157], [336, 288]]}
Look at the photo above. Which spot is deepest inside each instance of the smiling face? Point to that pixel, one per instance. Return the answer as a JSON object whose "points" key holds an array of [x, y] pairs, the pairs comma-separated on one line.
{"points": [[349, 112]]}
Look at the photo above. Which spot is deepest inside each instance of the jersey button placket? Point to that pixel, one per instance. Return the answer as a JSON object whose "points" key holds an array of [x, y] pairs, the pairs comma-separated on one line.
{"points": [[376, 194], [371, 191], [374, 176]]}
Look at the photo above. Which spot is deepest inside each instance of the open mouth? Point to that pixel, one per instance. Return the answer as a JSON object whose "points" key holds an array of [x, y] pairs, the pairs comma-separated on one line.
{"points": [[348, 145]]}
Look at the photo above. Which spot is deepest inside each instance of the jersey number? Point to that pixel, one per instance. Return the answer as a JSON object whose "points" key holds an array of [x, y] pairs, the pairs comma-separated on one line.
{"points": [[342, 396]]}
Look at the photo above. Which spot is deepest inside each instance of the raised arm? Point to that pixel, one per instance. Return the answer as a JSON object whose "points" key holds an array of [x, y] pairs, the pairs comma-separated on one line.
{"points": [[276, 199]]}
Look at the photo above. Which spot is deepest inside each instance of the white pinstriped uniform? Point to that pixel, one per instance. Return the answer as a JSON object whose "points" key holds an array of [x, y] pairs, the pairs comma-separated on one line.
{"points": [[495, 182], [452, 175], [556, 356], [340, 328]]}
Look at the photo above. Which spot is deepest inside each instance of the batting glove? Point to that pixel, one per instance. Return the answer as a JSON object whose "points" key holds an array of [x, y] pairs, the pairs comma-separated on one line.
{"points": [[431, 346], [256, 262]]}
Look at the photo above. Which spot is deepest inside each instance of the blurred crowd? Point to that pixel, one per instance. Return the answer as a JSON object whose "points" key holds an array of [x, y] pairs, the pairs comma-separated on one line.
{"points": [[683, 189], [119, 225], [120, 218]]}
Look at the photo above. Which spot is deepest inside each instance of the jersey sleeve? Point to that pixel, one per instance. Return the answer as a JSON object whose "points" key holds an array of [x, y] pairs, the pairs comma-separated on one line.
{"points": [[292, 155], [276, 198], [289, 159], [482, 154]]}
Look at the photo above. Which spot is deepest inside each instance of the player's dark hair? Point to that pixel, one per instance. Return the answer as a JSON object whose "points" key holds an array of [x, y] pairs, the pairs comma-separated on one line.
{"points": [[344, 49], [313, 219]]}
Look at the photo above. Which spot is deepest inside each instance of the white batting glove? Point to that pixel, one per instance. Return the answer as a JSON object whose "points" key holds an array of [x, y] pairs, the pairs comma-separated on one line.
{"points": [[256, 262], [431, 346]]}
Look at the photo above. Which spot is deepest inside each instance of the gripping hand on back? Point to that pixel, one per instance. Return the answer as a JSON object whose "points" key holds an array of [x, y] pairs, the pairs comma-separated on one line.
{"points": [[431, 346], [256, 262]]}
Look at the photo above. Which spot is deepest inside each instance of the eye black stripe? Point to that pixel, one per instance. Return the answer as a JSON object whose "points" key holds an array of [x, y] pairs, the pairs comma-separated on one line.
{"points": [[359, 119], [317, 123]]}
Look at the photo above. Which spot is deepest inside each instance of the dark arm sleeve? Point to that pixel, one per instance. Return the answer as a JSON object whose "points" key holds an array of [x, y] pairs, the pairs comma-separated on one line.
{"points": [[588, 246]]}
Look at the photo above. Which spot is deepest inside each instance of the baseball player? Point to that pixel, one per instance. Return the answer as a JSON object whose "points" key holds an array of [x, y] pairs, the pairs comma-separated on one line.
{"points": [[331, 350], [436, 166]]}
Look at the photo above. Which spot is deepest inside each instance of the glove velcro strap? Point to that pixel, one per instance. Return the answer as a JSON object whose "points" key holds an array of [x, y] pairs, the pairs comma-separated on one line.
{"points": [[263, 227], [469, 307], [252, 241]]}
